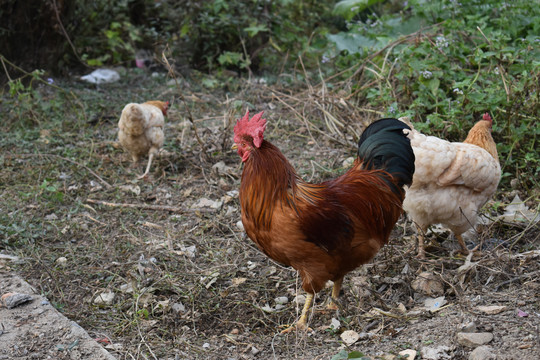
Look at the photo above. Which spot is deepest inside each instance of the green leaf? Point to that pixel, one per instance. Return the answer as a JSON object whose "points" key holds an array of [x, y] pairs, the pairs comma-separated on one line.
{"points": [[349, 8], [433, 85], [255, 29]]}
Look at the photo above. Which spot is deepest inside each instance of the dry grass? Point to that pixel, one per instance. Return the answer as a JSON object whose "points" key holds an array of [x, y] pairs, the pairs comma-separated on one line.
{"points": [[198, 285]]}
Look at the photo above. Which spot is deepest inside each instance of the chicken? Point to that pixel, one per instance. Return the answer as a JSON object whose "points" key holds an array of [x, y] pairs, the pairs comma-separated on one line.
{"points": [[452, 180], [323, 230], [140, 130]]}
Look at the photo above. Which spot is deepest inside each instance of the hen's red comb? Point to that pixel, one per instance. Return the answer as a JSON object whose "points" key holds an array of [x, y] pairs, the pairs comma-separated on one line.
{"points": [[486, 117], [254, 128]]}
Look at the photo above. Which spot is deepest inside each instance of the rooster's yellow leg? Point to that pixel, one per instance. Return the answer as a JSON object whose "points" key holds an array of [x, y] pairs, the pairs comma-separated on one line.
{"points": [[301, 324], [333, 304]]}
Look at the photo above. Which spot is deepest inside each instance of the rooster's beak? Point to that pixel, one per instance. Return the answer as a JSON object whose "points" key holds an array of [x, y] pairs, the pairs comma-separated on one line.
{"points": [[234, 146]]}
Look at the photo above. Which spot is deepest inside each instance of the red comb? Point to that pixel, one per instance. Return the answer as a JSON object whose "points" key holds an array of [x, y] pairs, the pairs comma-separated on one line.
{"points": [[486, 117], [254, 128]]}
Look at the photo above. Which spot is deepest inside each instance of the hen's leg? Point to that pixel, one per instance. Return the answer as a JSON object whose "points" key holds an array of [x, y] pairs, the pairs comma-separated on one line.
{"points": [[461, 242], [301, 324], [421, 247], [150, 157], [333, 304]]}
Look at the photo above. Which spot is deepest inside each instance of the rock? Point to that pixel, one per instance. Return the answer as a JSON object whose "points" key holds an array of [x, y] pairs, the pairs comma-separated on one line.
{"points": [[492, 309], [347, 163], [334, 324], [436, 353], [349, 337], [189, 251], [239, 225], [105, 298], [434, 305], [474, 339], [482, 353], [469, 327], [409, 354], [300, 299], [207, 203], [11, 299], [254, 350], [135, 189], [221, 168], [126, 288], [51, 217], [62, 261], [401, 308], [428, 284], [178, 308], [281, 300]]}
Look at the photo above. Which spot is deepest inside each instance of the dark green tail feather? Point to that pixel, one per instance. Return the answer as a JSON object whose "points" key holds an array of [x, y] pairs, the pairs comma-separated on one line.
{"points": [[383, 145]]}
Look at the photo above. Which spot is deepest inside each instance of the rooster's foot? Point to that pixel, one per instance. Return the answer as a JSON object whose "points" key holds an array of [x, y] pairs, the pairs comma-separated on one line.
{"points": [[296, 327]]}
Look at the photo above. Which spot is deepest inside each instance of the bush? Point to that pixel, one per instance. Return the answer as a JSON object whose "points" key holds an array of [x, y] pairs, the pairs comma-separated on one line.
{"points": [[472, 57]]}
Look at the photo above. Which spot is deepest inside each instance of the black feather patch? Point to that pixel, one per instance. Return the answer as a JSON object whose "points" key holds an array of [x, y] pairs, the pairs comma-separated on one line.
{"points": [[383, 145]]}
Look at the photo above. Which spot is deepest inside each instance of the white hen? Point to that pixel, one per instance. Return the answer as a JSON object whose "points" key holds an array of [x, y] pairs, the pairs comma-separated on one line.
{"points": [[452, 180], [140, 130]]}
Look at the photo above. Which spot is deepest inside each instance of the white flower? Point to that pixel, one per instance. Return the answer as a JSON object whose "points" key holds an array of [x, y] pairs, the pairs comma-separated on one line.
{"points": [[457, 91], [427, 74], [441, 42]]}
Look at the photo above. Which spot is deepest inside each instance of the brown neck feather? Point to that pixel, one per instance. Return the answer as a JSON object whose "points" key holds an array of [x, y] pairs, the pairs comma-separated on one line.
{"points": [[266, 180]]}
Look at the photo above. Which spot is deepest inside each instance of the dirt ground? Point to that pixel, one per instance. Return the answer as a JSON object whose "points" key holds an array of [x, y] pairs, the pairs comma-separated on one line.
{"points": [[161, 269]]}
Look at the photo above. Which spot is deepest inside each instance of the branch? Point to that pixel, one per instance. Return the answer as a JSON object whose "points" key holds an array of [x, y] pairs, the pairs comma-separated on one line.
{"points": [[149, 207]]}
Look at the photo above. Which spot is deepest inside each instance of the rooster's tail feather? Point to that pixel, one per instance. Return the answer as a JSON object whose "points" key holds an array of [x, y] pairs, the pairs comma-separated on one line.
{"points": [[383, 145]]}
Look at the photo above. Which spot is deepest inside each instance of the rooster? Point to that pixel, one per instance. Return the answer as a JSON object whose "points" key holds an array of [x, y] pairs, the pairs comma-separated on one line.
{"points": [[453, 180], [323, 230], [140, 130]]}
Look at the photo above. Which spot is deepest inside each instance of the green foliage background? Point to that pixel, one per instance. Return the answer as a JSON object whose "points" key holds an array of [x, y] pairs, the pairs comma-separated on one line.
{"points": [[443, 63]]}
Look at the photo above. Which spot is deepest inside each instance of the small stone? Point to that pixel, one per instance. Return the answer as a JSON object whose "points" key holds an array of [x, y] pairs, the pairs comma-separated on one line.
{"points": [[469, 327], [434, 304], [206, 346], [51, 217], [281, 300], [178, 308], [436, 353], [335, 324], [492, 309], [254, 350], [347, 163], [62, 261], [126, 288], [11, 300], [300, 299], [105, 298], [349, 337], [409, 354], [474, 339], [239, 225], [221, 168], [482, 353], [428, 284]]}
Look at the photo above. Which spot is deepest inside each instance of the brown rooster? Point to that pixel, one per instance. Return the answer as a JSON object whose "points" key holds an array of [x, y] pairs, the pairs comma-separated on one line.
{"points": [[323, 230], [452, 181], [140, 130]]}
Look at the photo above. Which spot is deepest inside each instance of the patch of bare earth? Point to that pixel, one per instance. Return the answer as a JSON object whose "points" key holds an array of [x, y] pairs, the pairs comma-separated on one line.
{"points": [[160, 269]]}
